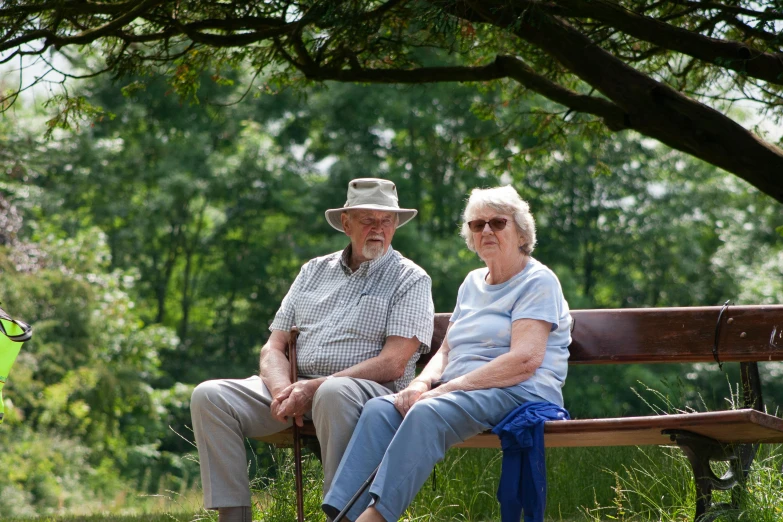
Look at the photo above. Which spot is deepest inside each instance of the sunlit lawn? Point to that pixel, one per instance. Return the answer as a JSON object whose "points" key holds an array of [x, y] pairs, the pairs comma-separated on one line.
{"points": [[585, 484], [165, 507], [166, 517]]}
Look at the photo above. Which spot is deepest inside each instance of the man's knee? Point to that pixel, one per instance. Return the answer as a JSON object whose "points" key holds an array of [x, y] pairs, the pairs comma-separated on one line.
{"points": [[335, 394], [378, 407], [206, 395]]}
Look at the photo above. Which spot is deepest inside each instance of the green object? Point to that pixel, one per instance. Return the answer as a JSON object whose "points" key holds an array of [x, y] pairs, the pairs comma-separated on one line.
{"points": [[13, 333]]}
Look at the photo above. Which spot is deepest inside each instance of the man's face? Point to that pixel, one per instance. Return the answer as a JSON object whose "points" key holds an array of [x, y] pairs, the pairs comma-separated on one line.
{"points": [[371, 231]]}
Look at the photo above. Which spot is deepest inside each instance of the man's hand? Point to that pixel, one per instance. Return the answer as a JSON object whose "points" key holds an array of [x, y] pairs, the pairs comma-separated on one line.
{"points": [[275, 408], [294, 401], [405, 399]]}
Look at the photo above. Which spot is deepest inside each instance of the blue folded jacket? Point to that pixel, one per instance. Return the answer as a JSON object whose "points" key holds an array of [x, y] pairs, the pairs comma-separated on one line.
{"points": [[523, 474]]}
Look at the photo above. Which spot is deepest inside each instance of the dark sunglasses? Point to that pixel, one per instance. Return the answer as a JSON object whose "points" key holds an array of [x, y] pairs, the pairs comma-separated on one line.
{"points": [[496, 224]]}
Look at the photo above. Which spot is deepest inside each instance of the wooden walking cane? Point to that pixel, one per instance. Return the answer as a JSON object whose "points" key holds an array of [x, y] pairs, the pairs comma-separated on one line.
{"points": [[341, 515], [297, 436]]}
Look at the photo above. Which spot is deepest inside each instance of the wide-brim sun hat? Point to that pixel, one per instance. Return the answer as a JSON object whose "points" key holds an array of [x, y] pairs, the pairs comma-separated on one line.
{"points": [[370, 194]]}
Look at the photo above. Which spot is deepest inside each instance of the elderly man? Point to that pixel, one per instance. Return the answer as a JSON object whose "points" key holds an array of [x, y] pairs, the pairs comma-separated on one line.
{"points": [[364, 314]]}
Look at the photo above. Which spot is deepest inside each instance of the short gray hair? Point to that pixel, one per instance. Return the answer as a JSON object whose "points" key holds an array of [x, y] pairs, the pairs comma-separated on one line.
{"points": [[504, 200]]}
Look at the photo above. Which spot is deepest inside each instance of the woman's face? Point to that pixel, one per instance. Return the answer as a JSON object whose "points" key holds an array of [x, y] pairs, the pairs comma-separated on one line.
{"points": [[491, 243]]}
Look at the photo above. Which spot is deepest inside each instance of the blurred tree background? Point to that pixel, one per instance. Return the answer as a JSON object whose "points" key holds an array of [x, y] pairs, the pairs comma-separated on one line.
{"points": [[151, 249]]}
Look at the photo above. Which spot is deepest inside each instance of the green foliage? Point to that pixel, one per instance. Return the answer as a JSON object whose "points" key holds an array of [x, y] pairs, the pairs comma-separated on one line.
{"points": [[657, 482], [658, 485], [80, 405], [762, 498], [583, 484], [463, 487], [152, 250], [274, 489], [72, 112], [160, 517], [44, 472], [669, 71]]}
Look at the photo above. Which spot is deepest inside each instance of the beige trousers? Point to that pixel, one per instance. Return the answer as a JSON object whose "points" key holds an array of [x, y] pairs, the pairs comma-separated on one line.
{"points": [[226, 411]]}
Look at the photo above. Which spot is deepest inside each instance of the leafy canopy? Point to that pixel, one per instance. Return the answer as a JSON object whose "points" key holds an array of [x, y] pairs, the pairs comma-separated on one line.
{"points": [[669, 70]]}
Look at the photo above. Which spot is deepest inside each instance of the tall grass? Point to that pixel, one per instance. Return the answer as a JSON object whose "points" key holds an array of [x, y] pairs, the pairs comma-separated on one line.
{"points": [[160, 517], [627, 484], [658, 486], [623, 484], [462, 488], [274, 489]]}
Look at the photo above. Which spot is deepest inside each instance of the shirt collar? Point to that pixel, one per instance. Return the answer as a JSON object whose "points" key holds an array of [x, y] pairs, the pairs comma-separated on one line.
{"points": [[368, 267]]}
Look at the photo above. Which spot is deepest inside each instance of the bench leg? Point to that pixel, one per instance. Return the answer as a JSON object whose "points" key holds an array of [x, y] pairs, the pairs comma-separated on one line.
{"points": [[700, 451], [751, 385], [751, 391], [745, 455], [298, 475], [301, 442]]}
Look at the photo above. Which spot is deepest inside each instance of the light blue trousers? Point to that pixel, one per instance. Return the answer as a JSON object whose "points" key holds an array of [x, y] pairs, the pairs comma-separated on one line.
{"points": [[408, 449]]}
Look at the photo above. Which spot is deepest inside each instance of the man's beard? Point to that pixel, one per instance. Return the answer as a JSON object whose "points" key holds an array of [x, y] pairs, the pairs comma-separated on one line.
{"points": [[372, 249]]}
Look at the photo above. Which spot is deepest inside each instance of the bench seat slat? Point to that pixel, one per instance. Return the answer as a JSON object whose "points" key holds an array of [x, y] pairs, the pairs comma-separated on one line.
{"points": [[735, 426], [285, 438]]}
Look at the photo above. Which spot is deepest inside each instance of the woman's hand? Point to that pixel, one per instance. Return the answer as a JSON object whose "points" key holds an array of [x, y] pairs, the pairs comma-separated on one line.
{"points": [[437, 392], [405, 399]]}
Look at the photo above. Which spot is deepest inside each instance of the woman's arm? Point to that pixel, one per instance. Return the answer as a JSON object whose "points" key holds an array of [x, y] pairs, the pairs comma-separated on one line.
{"points": [[423, 383], [528, 346], [437, 364]]}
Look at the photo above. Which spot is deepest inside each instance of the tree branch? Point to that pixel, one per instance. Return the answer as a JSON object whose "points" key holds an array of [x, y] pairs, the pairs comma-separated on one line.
{"points": [[420, 75], [614, 117], [502, 67], [774, 39], [653, 108], [233, 40], [91, 35], [731, 55], [51, 38], [236, 24], [769, 15], [67, 8], [382, 9]]}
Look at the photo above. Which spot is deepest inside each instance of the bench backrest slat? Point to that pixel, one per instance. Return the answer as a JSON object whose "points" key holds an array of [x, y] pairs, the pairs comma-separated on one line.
{"points": [[667, 335]]}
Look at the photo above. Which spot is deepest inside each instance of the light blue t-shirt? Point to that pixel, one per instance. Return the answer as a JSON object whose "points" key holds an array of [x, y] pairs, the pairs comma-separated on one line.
{"points": [[481, 329]]}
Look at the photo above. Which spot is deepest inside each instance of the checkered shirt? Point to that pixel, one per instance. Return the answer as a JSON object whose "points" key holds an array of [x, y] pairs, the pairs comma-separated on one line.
{"points": [[344, 316]]}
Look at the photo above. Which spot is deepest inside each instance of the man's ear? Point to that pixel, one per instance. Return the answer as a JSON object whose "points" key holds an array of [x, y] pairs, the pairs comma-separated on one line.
{"points": [[345, 220]]}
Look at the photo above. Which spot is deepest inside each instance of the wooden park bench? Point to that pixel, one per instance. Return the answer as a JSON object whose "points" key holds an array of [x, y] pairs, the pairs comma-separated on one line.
{"points": [[743, 334]]}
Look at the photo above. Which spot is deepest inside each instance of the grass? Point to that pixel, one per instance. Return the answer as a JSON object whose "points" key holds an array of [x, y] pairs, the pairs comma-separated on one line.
{"points": [[167, 507], [660, 488], [624, 484], [167, 517], [581, 486]]}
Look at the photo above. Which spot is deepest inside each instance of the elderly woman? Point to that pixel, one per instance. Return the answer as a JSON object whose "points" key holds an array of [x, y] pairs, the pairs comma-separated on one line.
{"points": [[507, 344]]}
